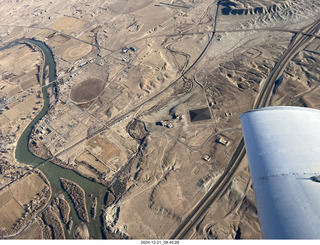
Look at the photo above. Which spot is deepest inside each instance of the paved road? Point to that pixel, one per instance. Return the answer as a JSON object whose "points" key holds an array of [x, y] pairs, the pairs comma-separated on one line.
{"points": [[298, 43]]}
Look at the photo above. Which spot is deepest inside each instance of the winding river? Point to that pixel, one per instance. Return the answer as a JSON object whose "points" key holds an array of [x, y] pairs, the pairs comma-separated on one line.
{"points": [[52, 171]]}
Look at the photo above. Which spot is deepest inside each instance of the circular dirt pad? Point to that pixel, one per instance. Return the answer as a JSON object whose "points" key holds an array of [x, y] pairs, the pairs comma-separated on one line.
{"points": [[87, 90]]}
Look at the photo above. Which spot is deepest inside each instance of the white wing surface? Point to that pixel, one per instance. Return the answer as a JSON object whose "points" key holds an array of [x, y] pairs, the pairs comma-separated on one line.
{"points": [[283, 148]]}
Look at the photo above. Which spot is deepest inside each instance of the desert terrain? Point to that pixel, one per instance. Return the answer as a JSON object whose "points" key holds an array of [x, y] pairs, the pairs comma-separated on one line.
{"points": [[121, 119]]}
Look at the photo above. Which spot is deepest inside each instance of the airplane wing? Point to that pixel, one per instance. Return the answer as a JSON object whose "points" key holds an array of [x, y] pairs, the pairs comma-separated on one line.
{"points": [[283, 148]]}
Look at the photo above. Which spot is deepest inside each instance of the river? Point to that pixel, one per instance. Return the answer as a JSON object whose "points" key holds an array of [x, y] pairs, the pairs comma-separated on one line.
{"points": [[52, 171]]}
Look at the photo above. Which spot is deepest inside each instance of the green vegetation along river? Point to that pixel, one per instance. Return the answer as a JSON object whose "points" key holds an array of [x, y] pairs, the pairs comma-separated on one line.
{"points": [[52, 171]]}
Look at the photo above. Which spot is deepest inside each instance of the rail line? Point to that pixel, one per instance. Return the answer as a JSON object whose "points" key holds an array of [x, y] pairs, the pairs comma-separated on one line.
{"points": [[263, 99]]}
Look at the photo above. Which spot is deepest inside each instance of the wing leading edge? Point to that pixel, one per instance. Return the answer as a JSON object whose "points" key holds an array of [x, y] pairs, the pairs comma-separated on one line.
{"points": [[283, 148]]}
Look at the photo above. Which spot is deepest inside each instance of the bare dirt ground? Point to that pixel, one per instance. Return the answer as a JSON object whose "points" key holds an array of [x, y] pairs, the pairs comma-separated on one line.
{"points": [[19, 91], [33, 231], [86, 90], [82, 232], [129, 128], [300, 85], [19, 204]]}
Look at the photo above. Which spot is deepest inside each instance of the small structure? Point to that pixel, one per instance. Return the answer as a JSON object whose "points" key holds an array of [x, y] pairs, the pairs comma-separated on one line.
{"points": [[223, 141], [162, 123], [82, 64], [124, 50], [206, 158], [101, 62], [170, 125], [165, 124], [133, 49], [74, 74]]}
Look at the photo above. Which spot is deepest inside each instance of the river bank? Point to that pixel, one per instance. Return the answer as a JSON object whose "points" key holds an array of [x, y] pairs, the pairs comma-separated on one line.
{"points": [[50, 170]]}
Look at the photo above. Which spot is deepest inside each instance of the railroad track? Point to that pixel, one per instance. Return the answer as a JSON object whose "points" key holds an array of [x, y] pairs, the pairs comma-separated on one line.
{"points": [[263, 99]]}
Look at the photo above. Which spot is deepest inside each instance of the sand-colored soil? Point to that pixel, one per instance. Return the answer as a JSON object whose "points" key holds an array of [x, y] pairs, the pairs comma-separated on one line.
{"points": [[131, 130], [15, 197], [85, 169], [101, 148], [32, 232], [18, 69], [20, 109], [82, 232], [77, 51], [314, 46], [300, 86], [67, 24], [63, 23], [11, 211]]}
